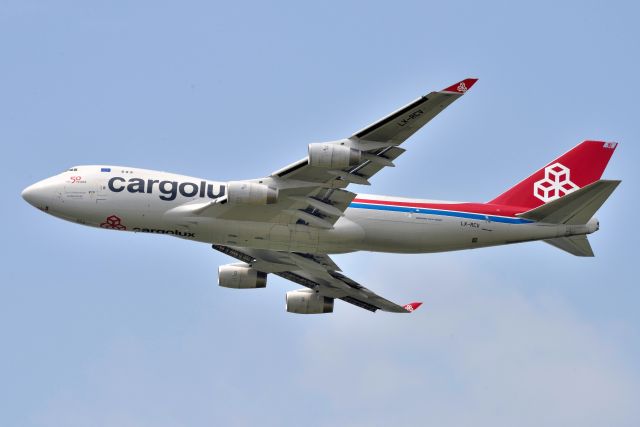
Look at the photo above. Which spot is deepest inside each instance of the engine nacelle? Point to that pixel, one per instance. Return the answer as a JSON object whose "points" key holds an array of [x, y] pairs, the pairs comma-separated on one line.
{"points": [[333, 156], [238, 276], [307, 301], [250, 193]]}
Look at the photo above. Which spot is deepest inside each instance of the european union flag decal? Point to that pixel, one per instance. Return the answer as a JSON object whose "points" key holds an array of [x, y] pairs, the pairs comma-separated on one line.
{"points": [[105, 170]]}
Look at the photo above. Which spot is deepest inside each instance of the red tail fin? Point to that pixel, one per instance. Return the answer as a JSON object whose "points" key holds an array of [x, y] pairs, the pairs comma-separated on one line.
{"points": [[580, 166]]}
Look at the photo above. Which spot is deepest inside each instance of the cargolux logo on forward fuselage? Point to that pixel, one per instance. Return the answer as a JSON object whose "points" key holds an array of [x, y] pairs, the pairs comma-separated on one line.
{"points": [[168, 190]]}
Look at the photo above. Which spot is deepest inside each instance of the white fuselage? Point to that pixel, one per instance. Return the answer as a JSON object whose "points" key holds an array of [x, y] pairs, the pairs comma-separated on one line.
{"points": [[145, 201]]}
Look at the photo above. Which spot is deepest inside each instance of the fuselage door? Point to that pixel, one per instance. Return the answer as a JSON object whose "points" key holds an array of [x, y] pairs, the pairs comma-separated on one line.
{"points": [[101, 191]]}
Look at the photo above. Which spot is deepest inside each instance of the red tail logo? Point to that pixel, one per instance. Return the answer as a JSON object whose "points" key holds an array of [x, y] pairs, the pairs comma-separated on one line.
{"points": [[555, 184]]}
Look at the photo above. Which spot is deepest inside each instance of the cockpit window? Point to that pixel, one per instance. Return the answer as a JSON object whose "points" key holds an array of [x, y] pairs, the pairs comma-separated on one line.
{"points": [[72, 170]]}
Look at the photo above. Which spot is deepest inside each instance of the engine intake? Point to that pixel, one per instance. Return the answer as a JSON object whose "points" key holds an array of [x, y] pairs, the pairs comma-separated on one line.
{"points": [[250, 193], [307, 301], [332, 156], [238, 276]]}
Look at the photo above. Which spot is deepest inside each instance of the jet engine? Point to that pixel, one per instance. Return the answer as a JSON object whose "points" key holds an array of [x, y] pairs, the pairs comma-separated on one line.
{"points": [[241, 276], [307, 301], [250, 193], [333, 156]]}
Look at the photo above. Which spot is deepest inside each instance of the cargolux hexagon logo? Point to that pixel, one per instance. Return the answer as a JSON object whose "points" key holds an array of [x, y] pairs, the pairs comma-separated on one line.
{"points": [[113, 222], [555, 184]]}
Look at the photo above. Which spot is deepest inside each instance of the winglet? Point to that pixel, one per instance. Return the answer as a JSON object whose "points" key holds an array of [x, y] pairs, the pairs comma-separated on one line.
{"points": [[412, 306], [461, 87]]}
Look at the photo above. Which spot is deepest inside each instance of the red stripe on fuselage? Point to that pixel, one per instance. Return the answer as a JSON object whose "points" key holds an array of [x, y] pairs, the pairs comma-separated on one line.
{"points": [[479, 208]]}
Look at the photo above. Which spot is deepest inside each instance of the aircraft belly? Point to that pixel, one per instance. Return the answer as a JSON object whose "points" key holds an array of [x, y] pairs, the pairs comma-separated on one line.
{"points": [[403, 232], [292, 237], [261, 235]]}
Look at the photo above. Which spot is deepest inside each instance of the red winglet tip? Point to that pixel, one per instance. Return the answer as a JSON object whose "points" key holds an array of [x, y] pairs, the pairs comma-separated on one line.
{"points": [[412, 306], [461, 87]]}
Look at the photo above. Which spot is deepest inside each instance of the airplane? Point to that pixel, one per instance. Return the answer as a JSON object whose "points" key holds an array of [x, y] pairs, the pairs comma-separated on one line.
{"points": [[289, 223]]}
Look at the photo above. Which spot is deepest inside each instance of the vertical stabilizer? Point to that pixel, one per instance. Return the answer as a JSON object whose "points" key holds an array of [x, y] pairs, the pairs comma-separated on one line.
{"points": [[579, 167]]}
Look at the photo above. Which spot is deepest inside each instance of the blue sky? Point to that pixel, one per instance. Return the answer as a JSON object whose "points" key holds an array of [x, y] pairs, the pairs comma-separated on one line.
{"points": [[116, 329]]}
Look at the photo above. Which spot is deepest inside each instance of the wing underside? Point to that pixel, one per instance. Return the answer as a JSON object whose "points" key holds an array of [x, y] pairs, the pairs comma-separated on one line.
{"points": [[316, 272]]}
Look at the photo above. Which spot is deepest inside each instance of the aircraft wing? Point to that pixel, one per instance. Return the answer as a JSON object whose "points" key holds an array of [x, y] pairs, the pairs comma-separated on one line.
{"points": [[317, 272], [312, 191], [379, 142]]}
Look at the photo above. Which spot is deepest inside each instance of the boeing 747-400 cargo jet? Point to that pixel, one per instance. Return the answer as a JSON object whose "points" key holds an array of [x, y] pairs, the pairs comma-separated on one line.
{"points": [[289, 222]]}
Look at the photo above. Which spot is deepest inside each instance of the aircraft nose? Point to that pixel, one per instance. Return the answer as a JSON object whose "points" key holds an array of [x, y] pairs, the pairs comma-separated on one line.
{"points": [[36, 195]]}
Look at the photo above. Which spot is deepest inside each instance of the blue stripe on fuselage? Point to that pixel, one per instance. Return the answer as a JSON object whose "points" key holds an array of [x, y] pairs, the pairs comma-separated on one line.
{"points": [[468, 215]]}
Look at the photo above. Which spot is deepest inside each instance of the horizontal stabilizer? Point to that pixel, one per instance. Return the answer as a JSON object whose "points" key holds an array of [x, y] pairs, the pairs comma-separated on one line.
{"points": [[577, 207], [575, 245]]}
